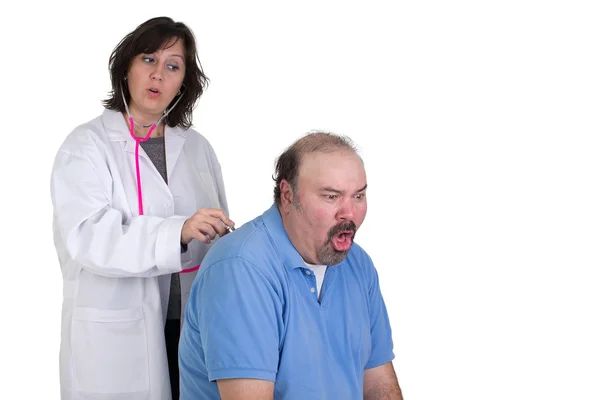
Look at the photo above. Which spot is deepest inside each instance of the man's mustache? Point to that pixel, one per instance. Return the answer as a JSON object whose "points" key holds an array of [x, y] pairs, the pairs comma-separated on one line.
{"points": [[341, 227]]}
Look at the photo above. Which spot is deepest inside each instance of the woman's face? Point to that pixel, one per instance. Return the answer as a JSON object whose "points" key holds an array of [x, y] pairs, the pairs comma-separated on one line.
{"points": [[154, 80]]}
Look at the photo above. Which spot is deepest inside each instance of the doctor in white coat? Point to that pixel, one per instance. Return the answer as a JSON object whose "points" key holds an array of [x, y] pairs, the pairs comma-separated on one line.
{"points": [[138, 197]]}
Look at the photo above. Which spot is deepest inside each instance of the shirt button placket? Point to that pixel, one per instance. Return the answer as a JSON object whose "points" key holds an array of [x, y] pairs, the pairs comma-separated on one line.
{"points": [[312, 281]]}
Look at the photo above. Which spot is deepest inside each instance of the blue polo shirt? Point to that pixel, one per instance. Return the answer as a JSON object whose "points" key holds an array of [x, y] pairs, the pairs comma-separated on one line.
{"points": [[253, 312]]}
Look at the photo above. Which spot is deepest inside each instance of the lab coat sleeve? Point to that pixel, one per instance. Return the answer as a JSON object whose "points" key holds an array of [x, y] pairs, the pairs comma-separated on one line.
{"points": [[95, 234]]}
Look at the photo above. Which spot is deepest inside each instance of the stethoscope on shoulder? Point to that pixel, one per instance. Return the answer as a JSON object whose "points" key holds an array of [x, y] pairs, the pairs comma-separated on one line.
{"points": [[137, 155]]}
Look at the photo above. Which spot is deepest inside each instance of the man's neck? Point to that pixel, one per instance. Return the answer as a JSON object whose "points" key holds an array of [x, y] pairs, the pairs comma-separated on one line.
{"points": [[296, 241]]}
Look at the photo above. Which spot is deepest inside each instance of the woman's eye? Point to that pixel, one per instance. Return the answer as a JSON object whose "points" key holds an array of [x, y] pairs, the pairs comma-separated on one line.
{"points": [[173, 67], [147, 59]]}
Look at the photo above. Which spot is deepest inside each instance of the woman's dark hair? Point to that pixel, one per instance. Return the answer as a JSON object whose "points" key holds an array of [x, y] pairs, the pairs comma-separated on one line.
{"points": [[148, 38]]}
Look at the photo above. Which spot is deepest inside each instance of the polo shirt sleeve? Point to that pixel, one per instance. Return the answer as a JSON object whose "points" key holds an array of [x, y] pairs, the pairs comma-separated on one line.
{"points": [[381, 333], [240, 321]]}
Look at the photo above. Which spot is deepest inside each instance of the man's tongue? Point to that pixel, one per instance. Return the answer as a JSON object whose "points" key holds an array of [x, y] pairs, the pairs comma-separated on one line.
{"points": [[342, 241]]}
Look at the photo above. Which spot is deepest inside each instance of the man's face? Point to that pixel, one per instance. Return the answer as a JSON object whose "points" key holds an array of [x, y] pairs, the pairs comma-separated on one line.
{"points": [[328, 206]]}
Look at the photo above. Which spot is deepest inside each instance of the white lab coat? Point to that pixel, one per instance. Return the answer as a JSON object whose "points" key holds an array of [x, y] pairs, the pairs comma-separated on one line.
{"points": [[116, 265]]}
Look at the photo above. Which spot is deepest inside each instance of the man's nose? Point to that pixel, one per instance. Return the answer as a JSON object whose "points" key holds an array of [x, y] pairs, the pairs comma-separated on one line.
{"points": [[346, 210]]}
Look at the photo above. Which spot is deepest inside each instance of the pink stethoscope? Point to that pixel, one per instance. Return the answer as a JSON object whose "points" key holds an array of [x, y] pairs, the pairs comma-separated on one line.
{"points": [[137, 157]]}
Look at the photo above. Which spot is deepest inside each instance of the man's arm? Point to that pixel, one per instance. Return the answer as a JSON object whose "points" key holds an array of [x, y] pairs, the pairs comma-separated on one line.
{"points": [[245, 389], [380, 383], [239, 317]]}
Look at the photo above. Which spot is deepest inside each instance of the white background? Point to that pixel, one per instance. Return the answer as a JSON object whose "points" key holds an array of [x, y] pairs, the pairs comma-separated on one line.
{"points": [[478, 122]]}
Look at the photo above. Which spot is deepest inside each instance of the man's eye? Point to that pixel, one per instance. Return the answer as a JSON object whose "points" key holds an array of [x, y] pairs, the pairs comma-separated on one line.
{"points": [[332, 196]]}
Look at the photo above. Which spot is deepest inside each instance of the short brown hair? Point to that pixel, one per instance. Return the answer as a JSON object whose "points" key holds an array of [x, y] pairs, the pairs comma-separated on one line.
{"points": [[288, 163]]}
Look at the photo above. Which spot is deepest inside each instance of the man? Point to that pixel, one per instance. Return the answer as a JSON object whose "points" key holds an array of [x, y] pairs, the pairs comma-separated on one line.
{"points": [[288, 307]]}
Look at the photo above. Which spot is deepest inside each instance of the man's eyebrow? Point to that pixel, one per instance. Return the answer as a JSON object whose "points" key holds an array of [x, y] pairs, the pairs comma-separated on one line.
{"points": [[330, 189]]}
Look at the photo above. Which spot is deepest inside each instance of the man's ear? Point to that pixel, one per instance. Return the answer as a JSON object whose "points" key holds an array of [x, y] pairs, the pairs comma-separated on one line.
{"points": [[287, 195]]}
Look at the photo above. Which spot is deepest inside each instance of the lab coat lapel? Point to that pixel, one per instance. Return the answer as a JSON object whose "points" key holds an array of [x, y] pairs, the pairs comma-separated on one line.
{"points": [[117, 131], [174, 140], [130, 148], [153, 185]]}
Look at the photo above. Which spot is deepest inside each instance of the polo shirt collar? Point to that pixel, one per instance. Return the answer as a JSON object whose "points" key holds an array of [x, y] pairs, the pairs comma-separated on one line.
{"points": [[289, 255]]}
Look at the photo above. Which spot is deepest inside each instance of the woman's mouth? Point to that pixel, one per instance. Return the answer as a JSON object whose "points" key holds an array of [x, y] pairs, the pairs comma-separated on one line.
{"points": [[153, 92]]}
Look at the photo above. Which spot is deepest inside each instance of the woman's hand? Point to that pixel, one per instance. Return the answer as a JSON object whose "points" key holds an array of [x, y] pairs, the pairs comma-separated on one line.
{"points": [[205, 225]]}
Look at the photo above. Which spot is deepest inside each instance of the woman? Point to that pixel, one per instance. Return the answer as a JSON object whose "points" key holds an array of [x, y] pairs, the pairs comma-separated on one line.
{"points": [[138, 197]]}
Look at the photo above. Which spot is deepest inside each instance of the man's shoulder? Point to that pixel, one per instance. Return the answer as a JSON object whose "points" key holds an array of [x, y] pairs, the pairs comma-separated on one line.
{"points": [[358, 258], [247, 247], [359, 264]]}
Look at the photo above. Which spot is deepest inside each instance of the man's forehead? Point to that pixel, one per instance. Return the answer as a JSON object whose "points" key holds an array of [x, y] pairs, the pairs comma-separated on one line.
{"points": [[321, 167], [324, 157]]}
